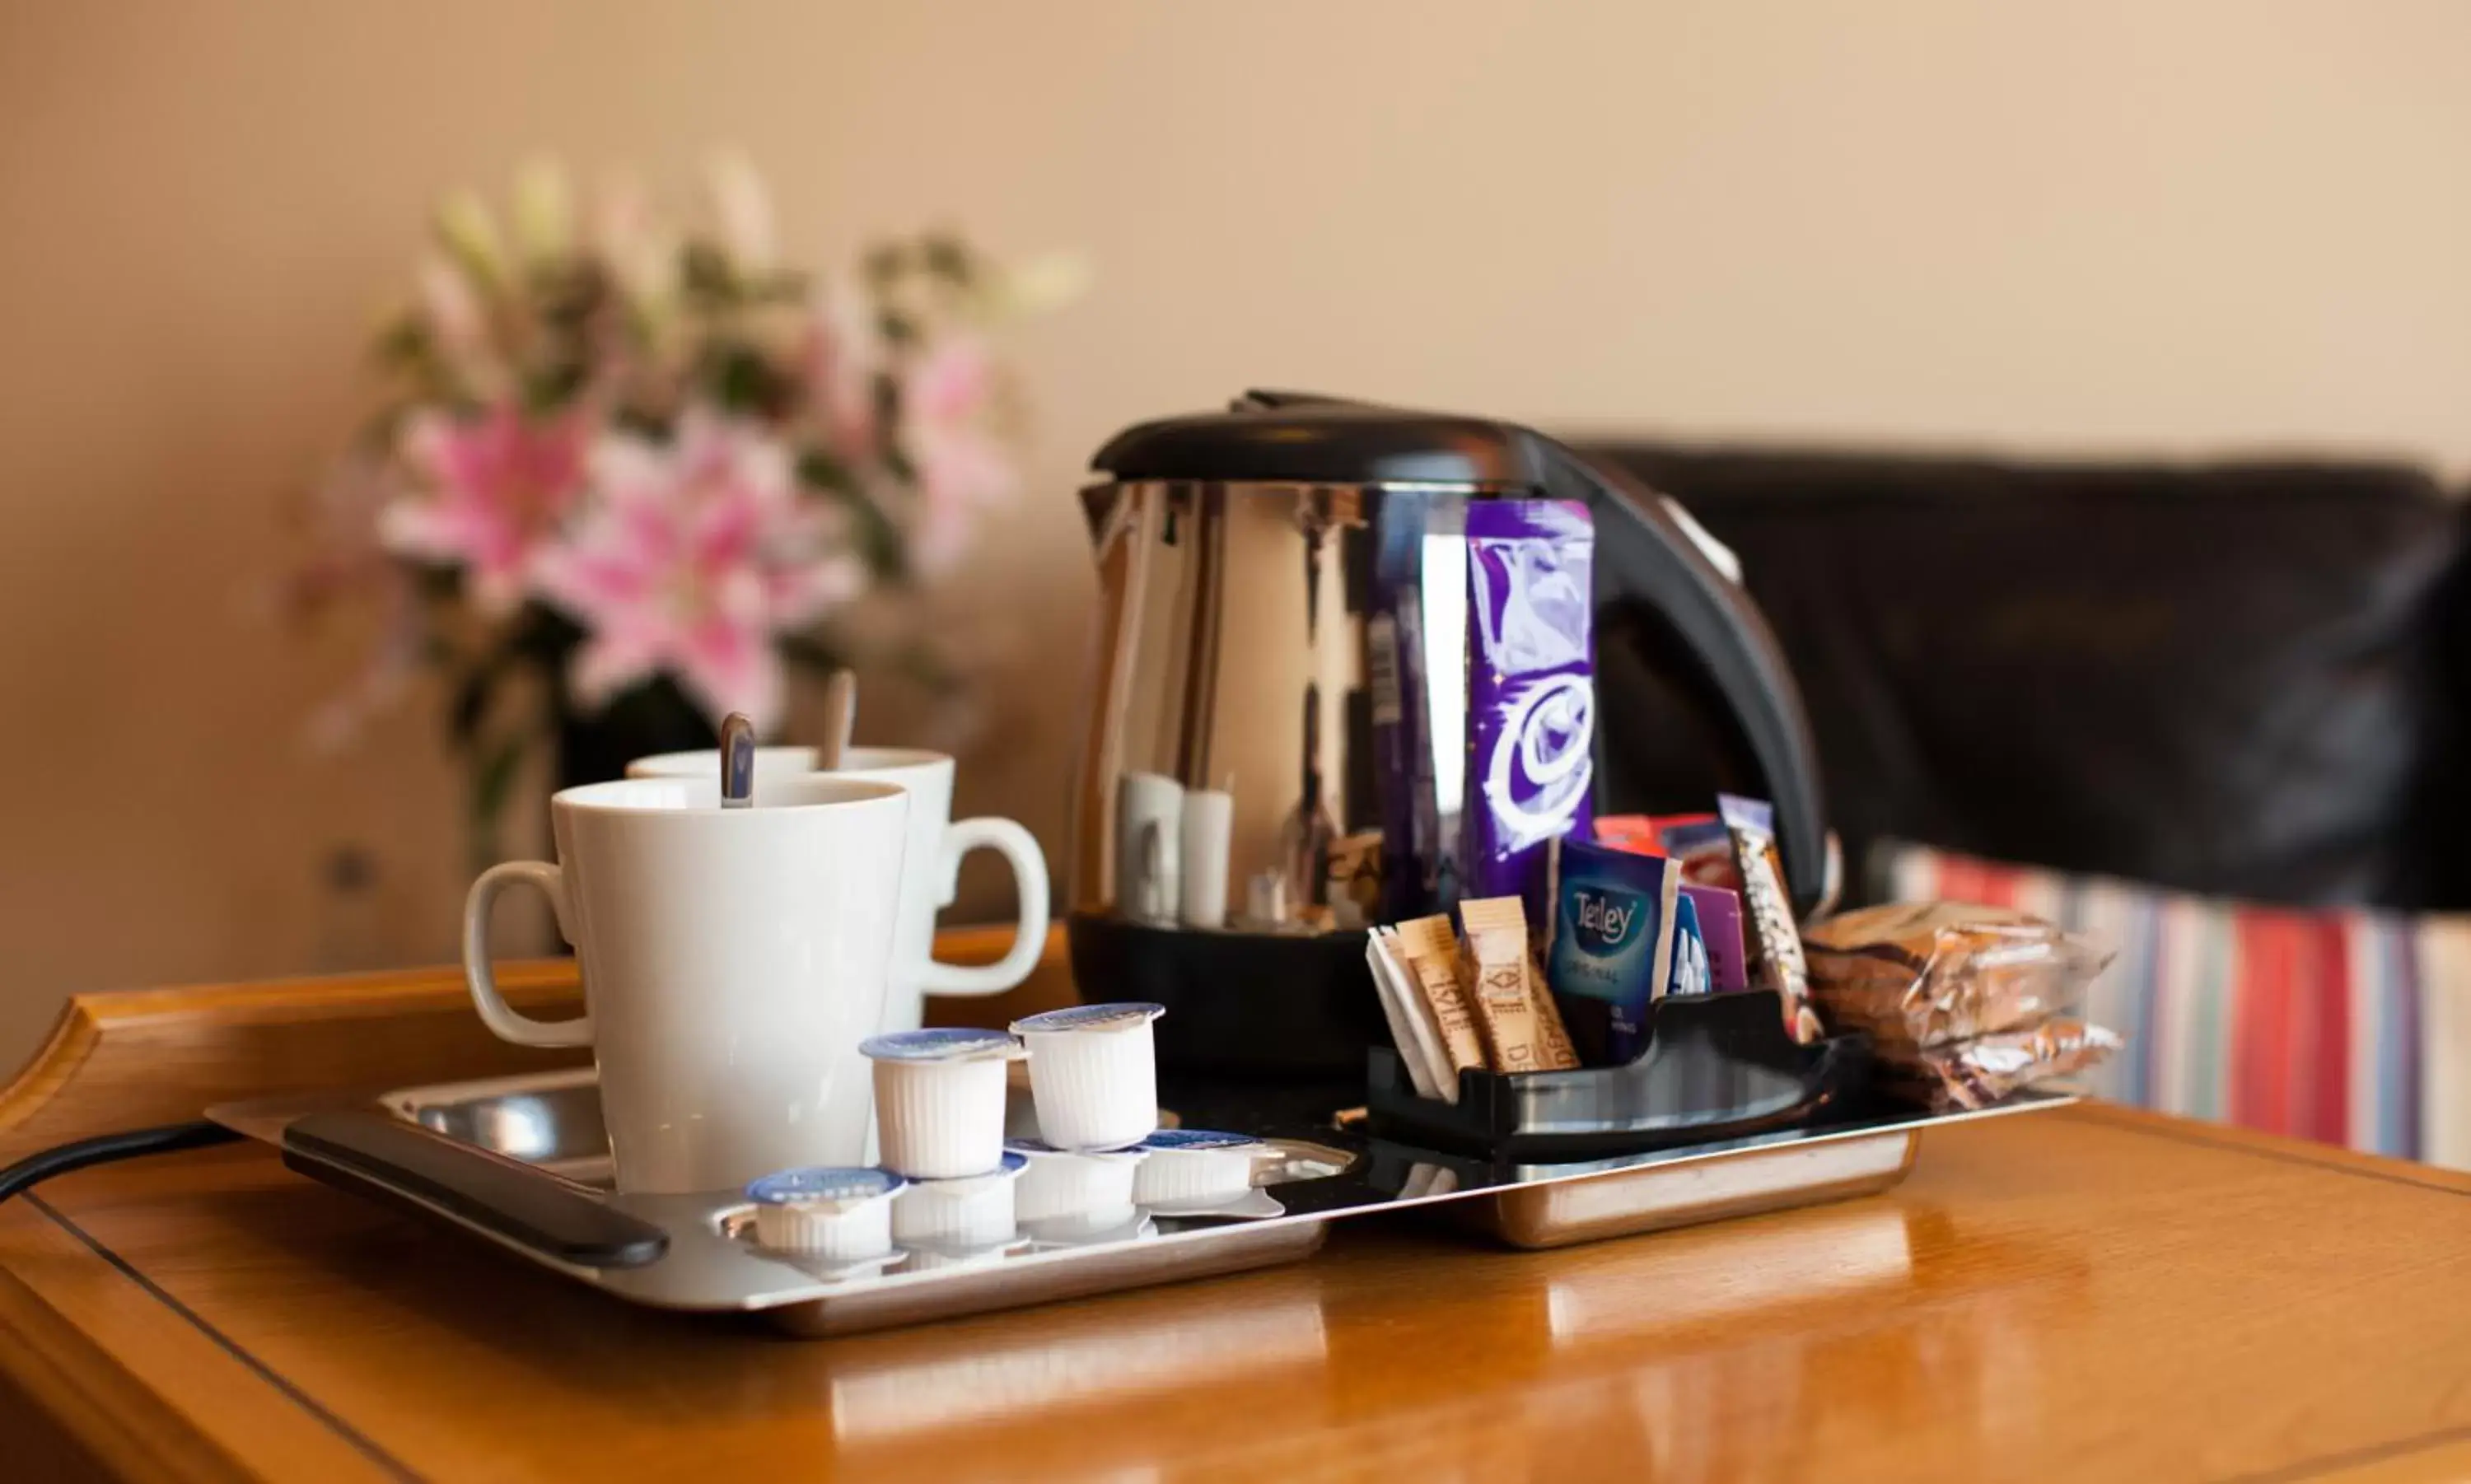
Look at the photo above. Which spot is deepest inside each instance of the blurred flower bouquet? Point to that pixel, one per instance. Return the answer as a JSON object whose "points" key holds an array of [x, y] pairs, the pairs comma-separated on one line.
{"points": [[628, 472]]}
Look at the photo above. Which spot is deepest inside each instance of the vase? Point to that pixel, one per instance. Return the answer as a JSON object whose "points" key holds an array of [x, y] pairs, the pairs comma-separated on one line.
{"points": [[654, 716]]}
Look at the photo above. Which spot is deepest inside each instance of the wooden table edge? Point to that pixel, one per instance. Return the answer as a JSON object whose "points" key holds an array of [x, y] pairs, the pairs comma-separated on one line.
{"points": [[122, 1059], [68, 1387], [67, 1407]]}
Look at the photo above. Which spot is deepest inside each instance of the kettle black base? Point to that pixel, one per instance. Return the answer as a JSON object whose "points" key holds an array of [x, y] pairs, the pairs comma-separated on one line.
{"points": [[1238, 1004]]}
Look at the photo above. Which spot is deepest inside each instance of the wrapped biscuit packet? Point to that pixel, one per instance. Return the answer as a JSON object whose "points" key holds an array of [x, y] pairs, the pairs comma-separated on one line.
{"points": [[1917, 975], [1964, 1004], [1980, 1072]]}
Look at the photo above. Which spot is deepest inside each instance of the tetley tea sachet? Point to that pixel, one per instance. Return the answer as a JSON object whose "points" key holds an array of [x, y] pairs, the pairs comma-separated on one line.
{"points": [[1613, 944]]}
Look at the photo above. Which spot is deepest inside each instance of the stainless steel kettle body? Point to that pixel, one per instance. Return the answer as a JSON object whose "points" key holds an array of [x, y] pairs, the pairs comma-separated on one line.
{"points": [[1234, 696], [1276, 753]]}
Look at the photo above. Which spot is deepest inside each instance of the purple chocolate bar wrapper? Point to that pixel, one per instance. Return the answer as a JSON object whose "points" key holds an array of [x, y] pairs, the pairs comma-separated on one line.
{"points": [[1531, 690], [1719, 927]]}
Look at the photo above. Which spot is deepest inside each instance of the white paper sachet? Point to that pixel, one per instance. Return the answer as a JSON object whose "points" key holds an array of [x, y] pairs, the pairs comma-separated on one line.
{"points": [[1412, 1026]]}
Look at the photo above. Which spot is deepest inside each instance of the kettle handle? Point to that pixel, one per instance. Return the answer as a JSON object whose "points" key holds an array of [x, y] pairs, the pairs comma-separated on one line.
{"points": [[1650, 560]]}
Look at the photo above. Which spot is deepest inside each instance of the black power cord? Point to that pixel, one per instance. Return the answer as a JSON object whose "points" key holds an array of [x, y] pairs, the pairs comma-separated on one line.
{"points": [[104, 1148]]}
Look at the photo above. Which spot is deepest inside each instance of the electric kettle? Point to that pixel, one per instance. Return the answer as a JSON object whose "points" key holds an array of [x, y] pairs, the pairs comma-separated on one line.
{"points": [[1279, 697]]}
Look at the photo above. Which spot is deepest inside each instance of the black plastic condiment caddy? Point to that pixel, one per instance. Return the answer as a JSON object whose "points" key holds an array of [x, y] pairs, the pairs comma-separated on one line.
{"points": [[1716, 1068]]}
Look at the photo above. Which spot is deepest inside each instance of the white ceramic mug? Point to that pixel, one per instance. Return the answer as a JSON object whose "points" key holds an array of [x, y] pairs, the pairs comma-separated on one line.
{"points": [[930, 871], [733, 960]]}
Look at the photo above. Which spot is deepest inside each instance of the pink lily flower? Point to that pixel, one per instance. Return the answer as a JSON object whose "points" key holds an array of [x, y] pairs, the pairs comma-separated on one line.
{"points": [[961, 469], [492, 489], [693, 557]]}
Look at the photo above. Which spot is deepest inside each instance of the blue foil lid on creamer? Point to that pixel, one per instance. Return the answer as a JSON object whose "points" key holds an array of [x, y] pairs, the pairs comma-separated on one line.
{"points": [[944, 1045], [1090, 1016], [819, 1185], [1197, 1138]]}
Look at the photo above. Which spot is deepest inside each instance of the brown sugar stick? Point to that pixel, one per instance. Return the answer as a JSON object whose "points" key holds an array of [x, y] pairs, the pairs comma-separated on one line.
{"points": [[1515, 1033], [1432, 959], [1494, 951], [1559, 1052]]}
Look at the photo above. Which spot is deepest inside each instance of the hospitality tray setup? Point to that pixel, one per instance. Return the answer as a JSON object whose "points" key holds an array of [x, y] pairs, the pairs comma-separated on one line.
{"points": [[524, 1163], [1408, 952]]}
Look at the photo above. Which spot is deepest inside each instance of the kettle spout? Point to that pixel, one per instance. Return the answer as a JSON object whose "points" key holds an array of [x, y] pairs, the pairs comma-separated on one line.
{"points": [[1097, 500]]}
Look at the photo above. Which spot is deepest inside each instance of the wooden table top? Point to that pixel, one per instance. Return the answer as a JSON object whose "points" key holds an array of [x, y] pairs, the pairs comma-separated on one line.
{"points": [[2087, 1294], [2082, 1294]]}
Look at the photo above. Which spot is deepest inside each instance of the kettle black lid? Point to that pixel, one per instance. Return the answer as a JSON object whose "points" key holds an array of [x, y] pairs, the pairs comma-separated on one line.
{"points": [[1296, 437]]}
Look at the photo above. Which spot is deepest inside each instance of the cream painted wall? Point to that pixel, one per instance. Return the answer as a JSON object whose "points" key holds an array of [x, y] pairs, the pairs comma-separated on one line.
{"points": [[2120, 225]]}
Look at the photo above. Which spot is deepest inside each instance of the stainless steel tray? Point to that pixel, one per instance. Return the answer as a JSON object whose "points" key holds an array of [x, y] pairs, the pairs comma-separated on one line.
{"points": [[542, 1136]]}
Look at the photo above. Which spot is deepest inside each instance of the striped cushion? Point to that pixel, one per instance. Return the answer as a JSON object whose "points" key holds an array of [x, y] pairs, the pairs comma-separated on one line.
{"points": [[2351, 1027]]}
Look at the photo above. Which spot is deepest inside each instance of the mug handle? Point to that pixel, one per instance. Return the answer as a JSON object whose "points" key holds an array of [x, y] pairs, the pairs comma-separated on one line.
{"points": [[495, 1013], [1019, 848]]}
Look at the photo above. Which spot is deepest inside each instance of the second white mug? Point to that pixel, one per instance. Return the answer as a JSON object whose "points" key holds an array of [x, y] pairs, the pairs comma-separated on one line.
{"points": [[930, 868]]}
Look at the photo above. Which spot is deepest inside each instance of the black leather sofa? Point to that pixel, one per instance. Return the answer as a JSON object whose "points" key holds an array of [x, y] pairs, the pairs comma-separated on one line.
{"points": [[2246, 679]]}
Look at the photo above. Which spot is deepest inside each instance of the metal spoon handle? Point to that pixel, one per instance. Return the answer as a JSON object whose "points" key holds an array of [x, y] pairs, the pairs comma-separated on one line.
{"points": [[736, 761], [840, 715]]}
